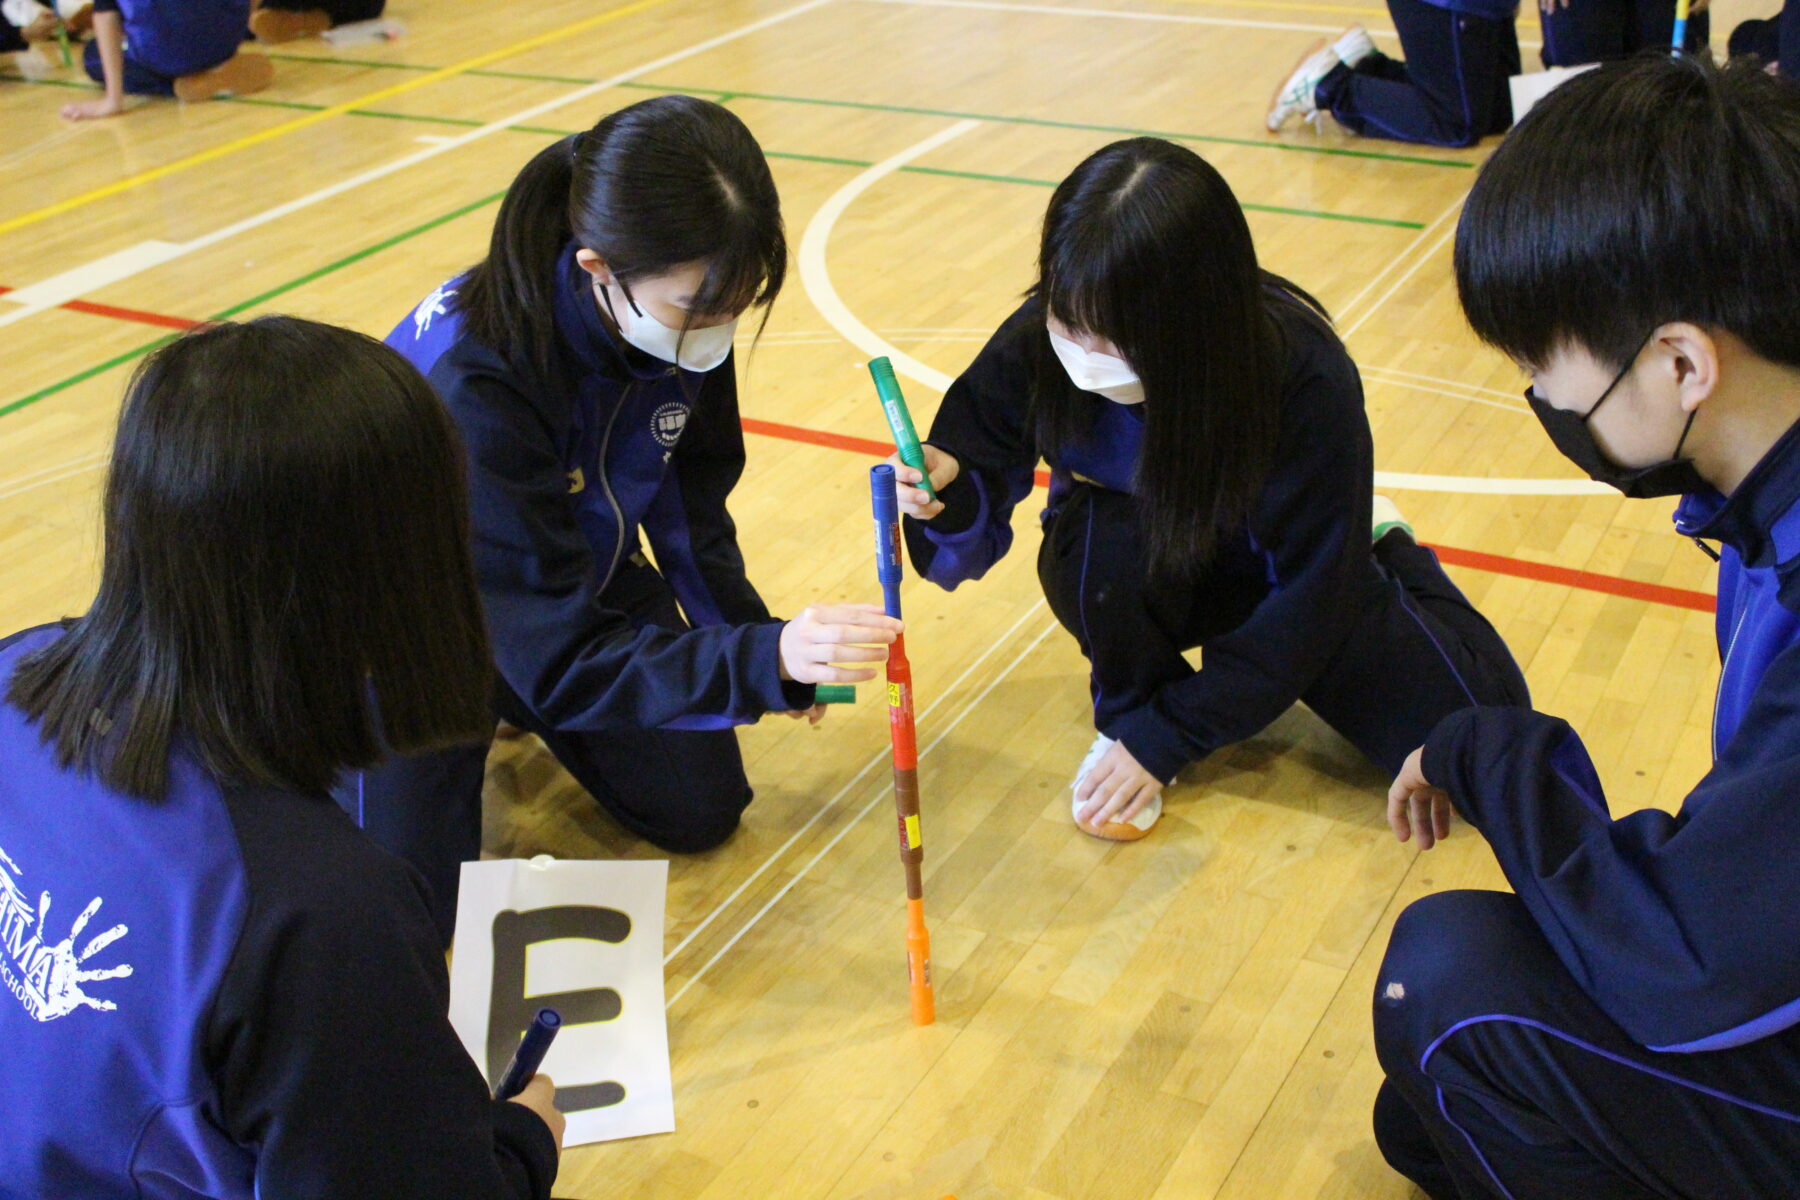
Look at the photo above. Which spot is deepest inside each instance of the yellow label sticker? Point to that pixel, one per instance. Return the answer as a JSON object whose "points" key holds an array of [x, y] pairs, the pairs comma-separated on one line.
{"points": [[912, 832], [893, 695]]}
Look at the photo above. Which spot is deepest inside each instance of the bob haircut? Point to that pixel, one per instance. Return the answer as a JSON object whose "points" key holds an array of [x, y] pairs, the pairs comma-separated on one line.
{"points": [[1654, 190], [666, 181], [1145, 245], [287, 553]]}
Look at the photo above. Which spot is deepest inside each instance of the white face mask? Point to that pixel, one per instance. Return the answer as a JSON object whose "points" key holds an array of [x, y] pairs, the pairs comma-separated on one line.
{"points": [[1101, 374], [700, 349]]}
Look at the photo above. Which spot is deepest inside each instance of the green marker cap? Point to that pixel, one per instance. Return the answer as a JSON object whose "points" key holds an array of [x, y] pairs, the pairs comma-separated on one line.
{"points": [[893, 404]]}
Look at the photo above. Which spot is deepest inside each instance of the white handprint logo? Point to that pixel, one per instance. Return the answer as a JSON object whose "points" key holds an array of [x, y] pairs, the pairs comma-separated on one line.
{"points": [[46, 976]]}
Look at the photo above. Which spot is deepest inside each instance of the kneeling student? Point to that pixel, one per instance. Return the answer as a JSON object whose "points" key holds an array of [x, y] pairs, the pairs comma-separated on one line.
{"points": [[1212, 478], [1628, 1023], [215, 984], [1450, 90]]}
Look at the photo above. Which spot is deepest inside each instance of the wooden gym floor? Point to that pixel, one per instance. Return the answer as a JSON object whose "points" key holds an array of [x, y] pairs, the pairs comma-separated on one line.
{"points": [[1181, 1018]]}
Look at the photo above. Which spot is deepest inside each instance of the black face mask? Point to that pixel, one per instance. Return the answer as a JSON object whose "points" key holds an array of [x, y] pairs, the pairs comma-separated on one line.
{"points": [[1569, 431]]}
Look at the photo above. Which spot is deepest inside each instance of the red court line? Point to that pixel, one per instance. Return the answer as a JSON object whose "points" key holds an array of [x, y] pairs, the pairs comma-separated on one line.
{"points": [[1612, 585], [122, 314], [1496, 564]]}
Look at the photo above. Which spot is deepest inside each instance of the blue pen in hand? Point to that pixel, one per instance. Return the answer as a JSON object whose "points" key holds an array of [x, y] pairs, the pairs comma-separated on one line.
{"points": [[530, 1054]]}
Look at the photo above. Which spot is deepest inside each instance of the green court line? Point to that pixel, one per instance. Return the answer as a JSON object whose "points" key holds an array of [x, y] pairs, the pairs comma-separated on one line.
{"points": [[1043, 122], [1214, 139], [226, 314], [945, 172]]}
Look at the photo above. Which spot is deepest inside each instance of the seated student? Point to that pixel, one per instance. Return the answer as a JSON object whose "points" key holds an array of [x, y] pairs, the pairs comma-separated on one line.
{"points": [[1577, 32], [1763, 38], [182, 48], [1211, 485], [1625, 1025], [1451, 90], [276, 21], [588, 361], [214, 984]]}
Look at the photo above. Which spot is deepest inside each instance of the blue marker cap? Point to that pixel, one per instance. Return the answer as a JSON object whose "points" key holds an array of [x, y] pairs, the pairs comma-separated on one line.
{"points": [[530, 1054]]}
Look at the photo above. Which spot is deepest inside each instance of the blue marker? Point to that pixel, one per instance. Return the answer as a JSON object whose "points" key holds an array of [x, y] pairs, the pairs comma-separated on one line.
{"points": [[530, 1054], [887, 535]]}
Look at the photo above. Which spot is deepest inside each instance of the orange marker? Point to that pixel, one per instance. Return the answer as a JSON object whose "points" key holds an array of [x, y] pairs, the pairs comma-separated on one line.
{"points": [[906, 751]]}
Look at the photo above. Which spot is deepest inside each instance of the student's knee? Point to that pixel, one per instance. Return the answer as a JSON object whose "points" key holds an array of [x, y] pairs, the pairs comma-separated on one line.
{"points": [[697, 836], [1450, 958]]}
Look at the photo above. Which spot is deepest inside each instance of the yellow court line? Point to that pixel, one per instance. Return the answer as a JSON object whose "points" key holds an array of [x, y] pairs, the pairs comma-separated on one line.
{"points": [[287, 127]]}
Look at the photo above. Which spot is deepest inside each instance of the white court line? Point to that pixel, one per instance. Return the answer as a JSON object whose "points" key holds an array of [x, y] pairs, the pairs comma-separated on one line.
{"points": [[430, 152], [866, 810], [1452, 383], [878, 758], [815, 276], [49, 475], [1375, 376], [1395, 262], [1407, 274]]}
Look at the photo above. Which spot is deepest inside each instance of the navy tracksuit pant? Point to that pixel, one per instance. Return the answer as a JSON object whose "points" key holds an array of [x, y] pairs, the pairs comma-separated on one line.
{"points": [[682, 790], [1420, 630], [1590, 31], [1504, 1080], [341, 12], [1451, 89]]}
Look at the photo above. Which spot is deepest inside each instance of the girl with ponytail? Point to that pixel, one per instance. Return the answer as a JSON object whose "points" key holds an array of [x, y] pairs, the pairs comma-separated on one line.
{"points": [[588, 362]]}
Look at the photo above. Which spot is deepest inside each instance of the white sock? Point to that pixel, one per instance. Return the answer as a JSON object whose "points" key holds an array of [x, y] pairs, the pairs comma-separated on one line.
{"points": [[1353, 45]]}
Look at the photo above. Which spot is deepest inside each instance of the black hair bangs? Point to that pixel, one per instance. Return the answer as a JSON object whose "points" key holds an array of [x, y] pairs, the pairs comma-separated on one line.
{"points": [[1660, 189]]}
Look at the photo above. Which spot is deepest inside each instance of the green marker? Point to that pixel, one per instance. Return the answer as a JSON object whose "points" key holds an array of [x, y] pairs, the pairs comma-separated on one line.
{"points": [[899, 420], [834, 693], [62, 38]]}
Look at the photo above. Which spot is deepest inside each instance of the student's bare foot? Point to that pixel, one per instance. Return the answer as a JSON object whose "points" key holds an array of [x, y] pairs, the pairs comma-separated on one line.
{"points": [[277, 25], [238, 75]]}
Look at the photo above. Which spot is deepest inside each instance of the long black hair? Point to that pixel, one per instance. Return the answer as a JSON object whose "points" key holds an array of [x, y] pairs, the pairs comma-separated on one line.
{"points": [[287, 548], [667, 181], [1145, 245], [1654, 190]]}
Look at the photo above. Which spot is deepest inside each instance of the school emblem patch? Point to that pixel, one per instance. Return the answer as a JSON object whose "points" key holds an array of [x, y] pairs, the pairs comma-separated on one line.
{"points": [[667, 422], [45, 976]]}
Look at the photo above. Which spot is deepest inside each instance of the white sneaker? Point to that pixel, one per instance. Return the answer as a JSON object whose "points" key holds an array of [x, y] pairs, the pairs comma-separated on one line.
{"points": [[1353, 45], [1112, 831], [1385, 519], [1295, 97]]}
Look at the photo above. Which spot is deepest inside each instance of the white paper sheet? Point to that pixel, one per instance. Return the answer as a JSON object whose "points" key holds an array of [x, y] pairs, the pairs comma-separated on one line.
{"points": [[584, 938]]}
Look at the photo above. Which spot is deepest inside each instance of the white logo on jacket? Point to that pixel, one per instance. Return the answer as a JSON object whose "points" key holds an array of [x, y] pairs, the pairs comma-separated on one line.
{"points": [[667, 422], [432, 306], [47, 977]]}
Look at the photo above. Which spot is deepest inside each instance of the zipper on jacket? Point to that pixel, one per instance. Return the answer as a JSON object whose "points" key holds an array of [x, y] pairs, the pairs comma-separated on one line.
{"points": [[606, 487], [1725, 666]]}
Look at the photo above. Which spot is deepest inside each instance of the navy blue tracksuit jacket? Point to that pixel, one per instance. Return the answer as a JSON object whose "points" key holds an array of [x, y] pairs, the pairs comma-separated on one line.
{"points": [[564, 473], [1295, 605], [1628, 1024], [229, 993]]}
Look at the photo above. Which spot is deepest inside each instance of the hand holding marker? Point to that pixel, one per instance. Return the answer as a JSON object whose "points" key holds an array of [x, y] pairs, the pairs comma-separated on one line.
{"points": [[901, 730], [906, 439], [530, 1055]]}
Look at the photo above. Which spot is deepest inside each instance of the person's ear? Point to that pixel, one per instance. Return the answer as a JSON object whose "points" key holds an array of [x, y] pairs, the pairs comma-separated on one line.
{"points": [[595, 266], [1686, 360]]}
